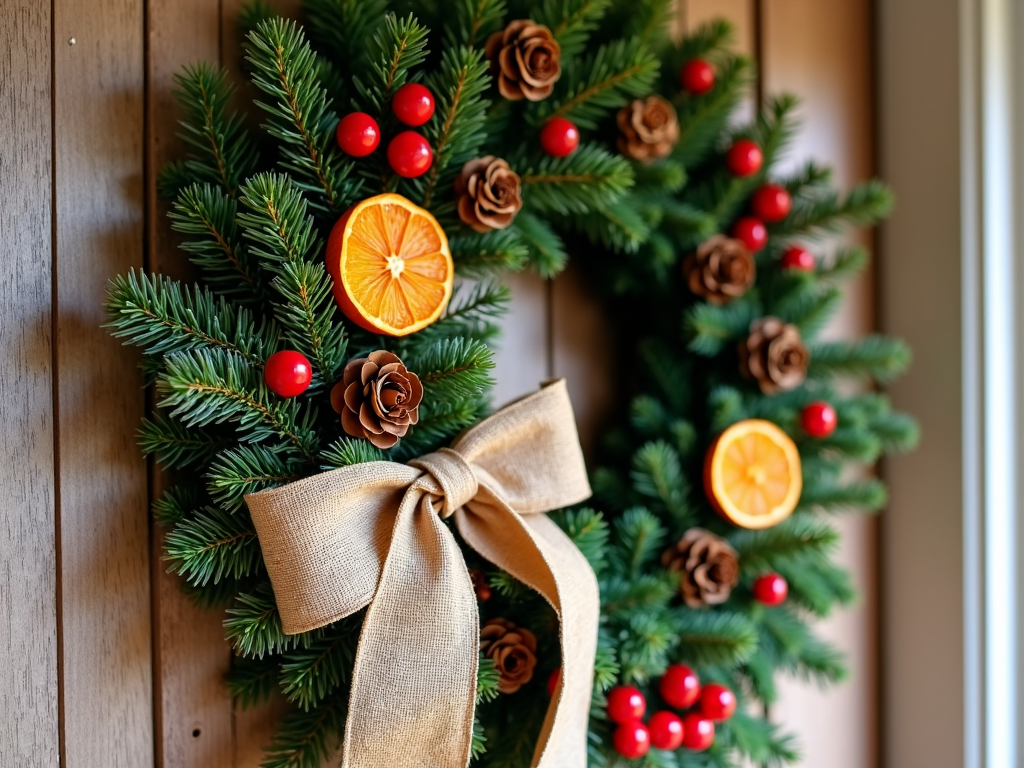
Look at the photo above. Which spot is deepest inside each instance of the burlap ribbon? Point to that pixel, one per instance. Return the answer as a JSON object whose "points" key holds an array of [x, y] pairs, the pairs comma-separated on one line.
{"points": [[373, 534]]}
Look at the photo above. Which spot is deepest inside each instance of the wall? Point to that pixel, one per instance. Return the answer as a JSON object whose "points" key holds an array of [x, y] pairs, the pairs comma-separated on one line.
{"points": [[107, 662]]}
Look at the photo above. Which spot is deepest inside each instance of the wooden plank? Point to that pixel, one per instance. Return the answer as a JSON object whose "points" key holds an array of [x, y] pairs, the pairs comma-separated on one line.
{"points": [[193, 713], [29, 731], [822, 52], [521, 360], [104, 536]]}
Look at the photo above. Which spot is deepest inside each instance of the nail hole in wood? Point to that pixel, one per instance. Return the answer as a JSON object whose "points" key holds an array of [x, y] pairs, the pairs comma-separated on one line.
{"points": [[196, 733]]}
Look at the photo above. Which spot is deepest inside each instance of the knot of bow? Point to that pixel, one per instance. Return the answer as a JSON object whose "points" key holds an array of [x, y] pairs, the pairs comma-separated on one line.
{"points": [[374, 535]]}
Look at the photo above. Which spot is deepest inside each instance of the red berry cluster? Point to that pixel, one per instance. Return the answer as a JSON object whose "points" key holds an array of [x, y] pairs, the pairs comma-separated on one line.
{"points": [[409, 153], [680, 688]]}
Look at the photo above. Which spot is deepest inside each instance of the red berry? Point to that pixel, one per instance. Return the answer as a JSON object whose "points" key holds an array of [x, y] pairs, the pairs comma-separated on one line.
{"points": [[553, 680], [409, 154], [697, 77], [666, 730], [698, 732], [288, 373], [752, 232], [744, 158], [413, 104], [559, 137], [771, 589], [819, 419], [625, 704], [717, 702], [680, 686], [358, 134], [632, 740], [771, 203], [796, 257]]}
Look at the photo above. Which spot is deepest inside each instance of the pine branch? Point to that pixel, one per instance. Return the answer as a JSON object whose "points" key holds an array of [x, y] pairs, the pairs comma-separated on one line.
{"points": [[473, 22], [203, 387], [880, 357], [253, 625], [251, 681], [222, 152], [477, 254], [176, 446], [861, 496], [212, 544], [588, 531], [587, 180], [457, 129], [571, 22], [711, 328], [397, 47], [658, 475], [249, 469], [438, 424], [603, 81], [720, 638], [340, 28], [452, 369], [639, 538], [285, 68], [283, 236], [346, 451], [162, 317], [174, 504], [207, 216], [306, 739], [309, 676], [546, 251], [824, 211], [796, 539]]}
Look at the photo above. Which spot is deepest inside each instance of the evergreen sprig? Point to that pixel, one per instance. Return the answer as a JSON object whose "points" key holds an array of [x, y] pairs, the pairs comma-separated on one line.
{"points": [[284, 67]]}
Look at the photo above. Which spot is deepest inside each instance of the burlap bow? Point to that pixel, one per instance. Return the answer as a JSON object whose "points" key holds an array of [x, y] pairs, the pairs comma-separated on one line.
{"points": [[373, 534]]}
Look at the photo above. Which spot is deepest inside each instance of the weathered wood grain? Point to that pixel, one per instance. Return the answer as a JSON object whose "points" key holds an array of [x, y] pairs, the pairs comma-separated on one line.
{"points": [[192, 708], [28, 554], [104, 574], [822, 52]]}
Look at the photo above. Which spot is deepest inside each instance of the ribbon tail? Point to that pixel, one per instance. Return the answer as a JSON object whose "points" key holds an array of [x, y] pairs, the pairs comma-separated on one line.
{"points": [[414, 683], [538, 553]]}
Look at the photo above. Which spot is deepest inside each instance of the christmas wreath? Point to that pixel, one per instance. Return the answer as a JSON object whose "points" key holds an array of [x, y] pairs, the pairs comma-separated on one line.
{"points": [[325, 382]]}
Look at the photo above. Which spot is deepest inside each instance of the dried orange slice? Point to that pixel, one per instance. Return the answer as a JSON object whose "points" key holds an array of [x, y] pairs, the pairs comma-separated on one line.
{"points": [[391, 265], [752, 474]]}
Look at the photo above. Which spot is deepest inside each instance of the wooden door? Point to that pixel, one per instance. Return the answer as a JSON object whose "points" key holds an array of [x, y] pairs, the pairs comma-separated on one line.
{"points": [[105, 661]]}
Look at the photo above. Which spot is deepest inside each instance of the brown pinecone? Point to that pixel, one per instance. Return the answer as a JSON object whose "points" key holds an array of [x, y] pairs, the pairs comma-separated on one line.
{"points": [[525, 60], [709, 568], [513, 651], [378, 398], [721, 270], [774, 355], [649, 128], [489, 194]]}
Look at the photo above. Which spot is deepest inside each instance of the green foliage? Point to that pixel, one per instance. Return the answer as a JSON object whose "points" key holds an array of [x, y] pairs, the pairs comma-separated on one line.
{"points": [[212, 544], [298, 114], [206, 216], [398, 45], [221, 151]]}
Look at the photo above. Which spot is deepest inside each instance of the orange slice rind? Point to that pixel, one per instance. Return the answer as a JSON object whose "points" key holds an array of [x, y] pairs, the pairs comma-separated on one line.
{"points": [[752, 474], [391, 265]]}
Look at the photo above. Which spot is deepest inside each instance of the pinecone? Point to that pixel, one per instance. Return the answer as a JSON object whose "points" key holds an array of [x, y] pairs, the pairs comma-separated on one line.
{"points": [[649, 128], [774, 355], [513, 651], [721, 270], [525, 59], [709, 567], [489, 194], [378, 398]]}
